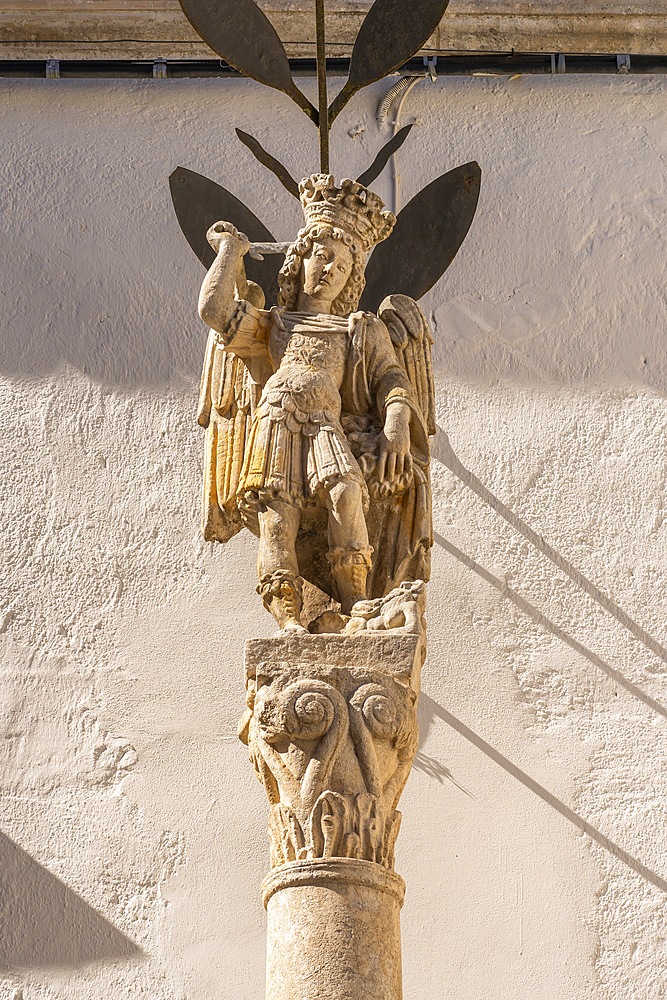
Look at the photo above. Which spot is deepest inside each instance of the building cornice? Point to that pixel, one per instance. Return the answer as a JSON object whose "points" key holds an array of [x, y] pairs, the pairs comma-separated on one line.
{"points": [[157, 29]]}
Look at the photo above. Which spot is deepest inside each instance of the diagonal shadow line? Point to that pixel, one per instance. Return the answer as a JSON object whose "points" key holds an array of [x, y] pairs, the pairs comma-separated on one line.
{"points": [[547, 796], [441, 450], [44, 924], [539, 618]]}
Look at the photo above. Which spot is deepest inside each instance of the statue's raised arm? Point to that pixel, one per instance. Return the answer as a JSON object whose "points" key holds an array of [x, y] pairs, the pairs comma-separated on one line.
{"points": [[225, 283], [232, 307]]}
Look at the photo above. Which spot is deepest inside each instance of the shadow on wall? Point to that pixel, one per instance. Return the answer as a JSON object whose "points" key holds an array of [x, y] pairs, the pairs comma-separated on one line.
{"points": [[43, 924], [536, 334], [428, 765], [442, 452], [532, 612], [432, 710], [77, 296]]}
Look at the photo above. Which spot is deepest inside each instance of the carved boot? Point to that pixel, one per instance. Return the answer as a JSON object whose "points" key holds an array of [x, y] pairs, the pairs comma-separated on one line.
{"points": [[281, 593], [350, 567]]}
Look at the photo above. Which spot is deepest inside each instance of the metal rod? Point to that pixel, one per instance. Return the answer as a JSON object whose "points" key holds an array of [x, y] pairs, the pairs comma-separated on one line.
{"points": [[322, 86]]}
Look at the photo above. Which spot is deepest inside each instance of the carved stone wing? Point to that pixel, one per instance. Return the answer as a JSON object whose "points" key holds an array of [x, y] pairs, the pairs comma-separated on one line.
{"points": [[227, 401], [411, 336], [400, 529]]}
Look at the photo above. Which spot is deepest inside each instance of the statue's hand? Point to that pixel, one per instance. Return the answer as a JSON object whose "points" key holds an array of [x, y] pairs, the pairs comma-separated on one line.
{"points": [[225, 232], [395, 459]]}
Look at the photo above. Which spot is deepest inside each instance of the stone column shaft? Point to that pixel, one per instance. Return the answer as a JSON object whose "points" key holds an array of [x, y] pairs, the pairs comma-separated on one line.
{"points": [[332, 732], [333, 931]]}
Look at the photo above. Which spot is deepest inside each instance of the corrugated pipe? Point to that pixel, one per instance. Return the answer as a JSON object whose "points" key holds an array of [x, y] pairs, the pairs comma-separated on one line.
{"points": [[385, 104], [398, 92]]}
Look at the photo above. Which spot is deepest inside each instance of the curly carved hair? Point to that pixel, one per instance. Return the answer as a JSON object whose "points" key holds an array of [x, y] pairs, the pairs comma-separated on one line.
{"points": [[289, 277]]}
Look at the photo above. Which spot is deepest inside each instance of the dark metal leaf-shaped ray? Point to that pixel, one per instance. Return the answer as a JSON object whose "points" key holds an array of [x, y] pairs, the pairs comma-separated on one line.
{"points": [[244, 37], [391, 33], [267, 160], [199, 202], [380, 161], [426, 237]]}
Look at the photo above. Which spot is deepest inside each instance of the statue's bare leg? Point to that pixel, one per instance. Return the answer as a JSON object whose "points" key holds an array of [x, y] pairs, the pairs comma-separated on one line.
{"points": [[277, 566], [349, 551]]}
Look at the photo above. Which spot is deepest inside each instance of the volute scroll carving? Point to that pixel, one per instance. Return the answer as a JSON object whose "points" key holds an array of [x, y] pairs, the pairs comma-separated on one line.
{"points": [[332, 732]]}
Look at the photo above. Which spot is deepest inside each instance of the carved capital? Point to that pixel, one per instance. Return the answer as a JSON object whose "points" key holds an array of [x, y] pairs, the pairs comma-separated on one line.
{"points": [[332, 732]]}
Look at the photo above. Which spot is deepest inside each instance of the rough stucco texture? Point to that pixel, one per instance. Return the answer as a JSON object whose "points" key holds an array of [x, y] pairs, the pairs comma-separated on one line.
{"points": [[133, 831]]}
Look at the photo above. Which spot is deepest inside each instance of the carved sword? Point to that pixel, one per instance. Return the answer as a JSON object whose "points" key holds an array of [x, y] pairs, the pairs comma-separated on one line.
{"points": [[257, 250]]}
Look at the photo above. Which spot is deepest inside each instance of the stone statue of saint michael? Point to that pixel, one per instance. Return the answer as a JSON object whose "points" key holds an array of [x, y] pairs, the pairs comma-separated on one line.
{"points": [[317, 415]]}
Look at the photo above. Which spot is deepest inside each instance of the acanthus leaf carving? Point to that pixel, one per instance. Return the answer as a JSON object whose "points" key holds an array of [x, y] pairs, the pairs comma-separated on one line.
{"points": [[333, 742]]}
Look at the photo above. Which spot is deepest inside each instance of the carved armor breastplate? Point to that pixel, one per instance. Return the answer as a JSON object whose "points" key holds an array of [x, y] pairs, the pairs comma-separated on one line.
{"points": [[312, 352]]}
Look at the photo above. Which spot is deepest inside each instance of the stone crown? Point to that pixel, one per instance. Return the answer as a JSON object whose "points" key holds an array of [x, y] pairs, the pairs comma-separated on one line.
{"points": [[350, 207]]}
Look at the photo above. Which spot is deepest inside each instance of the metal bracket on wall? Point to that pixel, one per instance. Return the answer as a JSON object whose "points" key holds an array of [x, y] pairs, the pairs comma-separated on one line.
{"points": [[467, 64], [431, 64], [160, 69]]}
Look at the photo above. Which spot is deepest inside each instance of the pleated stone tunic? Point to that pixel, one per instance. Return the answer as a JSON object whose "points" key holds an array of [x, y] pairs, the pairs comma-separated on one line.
{"points": [[296, 447]]}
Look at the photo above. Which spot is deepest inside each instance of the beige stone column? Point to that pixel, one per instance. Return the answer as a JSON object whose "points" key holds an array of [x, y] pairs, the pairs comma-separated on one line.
{"points": [[333, 931], [332, 732]]}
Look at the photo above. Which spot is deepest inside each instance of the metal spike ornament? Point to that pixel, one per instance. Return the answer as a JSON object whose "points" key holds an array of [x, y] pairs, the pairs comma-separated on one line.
{"points": [[317, 417], [245, 38], [390, 34]]}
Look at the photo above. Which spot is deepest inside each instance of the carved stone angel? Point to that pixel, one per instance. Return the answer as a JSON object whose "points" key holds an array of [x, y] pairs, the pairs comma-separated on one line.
{"points": [[317, 416]]}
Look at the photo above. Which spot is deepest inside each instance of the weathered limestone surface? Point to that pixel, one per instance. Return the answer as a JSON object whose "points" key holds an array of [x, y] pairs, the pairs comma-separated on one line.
{"points": [[333, 931], [318, 415], [332, 731], [317, 420]]}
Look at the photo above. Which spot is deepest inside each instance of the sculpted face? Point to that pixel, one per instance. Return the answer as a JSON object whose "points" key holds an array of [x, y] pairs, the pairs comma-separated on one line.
{"points": [[326, 269]]}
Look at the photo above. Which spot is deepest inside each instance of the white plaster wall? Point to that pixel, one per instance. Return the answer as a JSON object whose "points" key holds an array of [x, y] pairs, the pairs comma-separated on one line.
{"points": [[132, 838]]}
